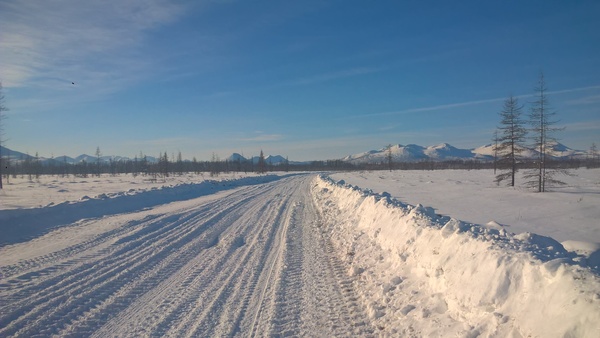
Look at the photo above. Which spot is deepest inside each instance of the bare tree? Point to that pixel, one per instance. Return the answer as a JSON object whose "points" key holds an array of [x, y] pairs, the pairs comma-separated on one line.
{"points": [[2, 116], [195, 166], [594, 152], [143, 164], [215, 166], [509, 144], [163, 165], [542, 120], [37, 165], [495, 148], [592, 156], [179, 164], [262, 165], [389, 157], [98, 155]]}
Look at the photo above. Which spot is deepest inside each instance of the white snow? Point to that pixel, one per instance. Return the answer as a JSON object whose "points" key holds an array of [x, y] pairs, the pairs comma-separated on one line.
{"points": [[424, 275], [238, 258], [24, 193], [570, 212], [298, 255]]}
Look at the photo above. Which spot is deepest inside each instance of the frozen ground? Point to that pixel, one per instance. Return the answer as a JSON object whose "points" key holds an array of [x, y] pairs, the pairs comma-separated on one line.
{"points": [[286, 255]]}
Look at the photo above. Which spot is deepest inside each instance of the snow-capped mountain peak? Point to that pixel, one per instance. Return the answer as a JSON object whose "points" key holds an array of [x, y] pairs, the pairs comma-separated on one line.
{"points": [[446, 151]]}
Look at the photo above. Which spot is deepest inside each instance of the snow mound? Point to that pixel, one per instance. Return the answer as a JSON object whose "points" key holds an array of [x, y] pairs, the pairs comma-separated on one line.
{"points": [[421, 274], [589, 252]]}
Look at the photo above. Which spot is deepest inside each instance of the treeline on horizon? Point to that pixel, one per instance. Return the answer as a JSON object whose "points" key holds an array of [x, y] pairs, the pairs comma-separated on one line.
{"points": [[33, 167]]}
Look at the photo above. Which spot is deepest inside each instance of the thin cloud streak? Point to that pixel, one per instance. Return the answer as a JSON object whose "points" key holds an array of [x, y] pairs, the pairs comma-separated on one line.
{"points": [[263, 138], [333, 76], [467, 103], [583, 126], [320, 78], [167, 143], [592, 99]]}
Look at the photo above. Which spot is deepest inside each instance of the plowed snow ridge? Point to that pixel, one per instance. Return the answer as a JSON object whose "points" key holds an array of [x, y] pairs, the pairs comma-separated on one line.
{"points": [[424, 275]]}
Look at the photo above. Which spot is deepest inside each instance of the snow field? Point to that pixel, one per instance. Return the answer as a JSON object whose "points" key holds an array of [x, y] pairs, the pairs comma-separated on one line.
{"points": [[22, 193], [420, 274], [20, 224], [568, 212]]}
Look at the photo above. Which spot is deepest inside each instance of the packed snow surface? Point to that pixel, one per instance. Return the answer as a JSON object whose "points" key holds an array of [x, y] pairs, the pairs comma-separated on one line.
{"points": [[276, 255], [248, 259]]}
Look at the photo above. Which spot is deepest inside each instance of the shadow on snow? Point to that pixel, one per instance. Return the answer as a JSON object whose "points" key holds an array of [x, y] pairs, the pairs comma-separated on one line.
{"points": [[21, 225]]}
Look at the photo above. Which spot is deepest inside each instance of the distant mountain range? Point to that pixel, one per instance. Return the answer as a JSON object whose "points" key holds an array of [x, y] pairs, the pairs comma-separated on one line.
{"points": [[19, 156], [400, 153], [446, 152], [270, 159]]}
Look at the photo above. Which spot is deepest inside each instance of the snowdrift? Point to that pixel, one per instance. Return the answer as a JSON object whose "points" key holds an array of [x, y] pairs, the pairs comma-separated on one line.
{"points": [[19, 225], [421, 274]]}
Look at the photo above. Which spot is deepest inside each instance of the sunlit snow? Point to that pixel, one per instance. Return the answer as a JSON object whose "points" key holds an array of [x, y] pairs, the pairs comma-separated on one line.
{"points": [[403, 253]]}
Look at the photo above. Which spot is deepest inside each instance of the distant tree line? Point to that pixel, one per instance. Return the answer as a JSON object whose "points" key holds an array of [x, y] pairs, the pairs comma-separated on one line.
{"points": [[570, 163], [33, 167]]}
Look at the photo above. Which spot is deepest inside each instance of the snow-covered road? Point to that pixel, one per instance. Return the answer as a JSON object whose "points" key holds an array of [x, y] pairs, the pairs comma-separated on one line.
{"points": [[289, 255], [252, 261]]}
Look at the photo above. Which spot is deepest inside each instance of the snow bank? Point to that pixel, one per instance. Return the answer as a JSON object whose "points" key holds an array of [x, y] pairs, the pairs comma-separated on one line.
{"points": [[421, 274], [18, 225]]}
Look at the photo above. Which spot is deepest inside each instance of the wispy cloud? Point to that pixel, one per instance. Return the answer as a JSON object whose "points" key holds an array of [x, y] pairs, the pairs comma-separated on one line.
{"points": [[430, 108], [572, 90], [583, 126], [330, 76], [46, 43], [309, 80], [591, 99], [167, 143], [470, 103], [262, 137]]}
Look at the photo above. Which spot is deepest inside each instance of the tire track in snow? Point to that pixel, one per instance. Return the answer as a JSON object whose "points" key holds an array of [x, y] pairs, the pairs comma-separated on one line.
{"points": [[331, 307], [253, 263], [273, 271], [212, 283], [230, 301], [32, 264], [178, 258], [125, 267]]}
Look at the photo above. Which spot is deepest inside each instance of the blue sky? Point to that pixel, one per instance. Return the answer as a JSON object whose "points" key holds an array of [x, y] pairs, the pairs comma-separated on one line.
{"points": [[304, 79]]}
